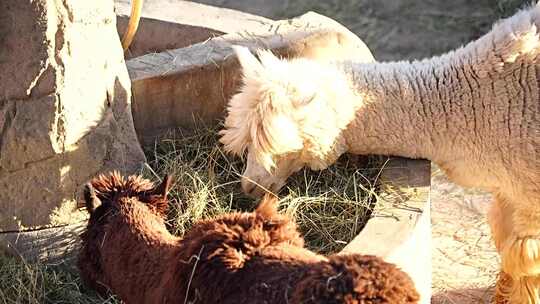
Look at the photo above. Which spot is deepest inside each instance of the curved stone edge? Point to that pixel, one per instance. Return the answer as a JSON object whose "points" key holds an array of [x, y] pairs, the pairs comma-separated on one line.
{"points": [[196, 82], [195, 14], [167, 25], [400, 228]]}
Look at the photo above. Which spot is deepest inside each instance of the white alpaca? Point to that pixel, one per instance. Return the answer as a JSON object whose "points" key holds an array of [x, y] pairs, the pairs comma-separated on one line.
{"points": [[473, 111]]}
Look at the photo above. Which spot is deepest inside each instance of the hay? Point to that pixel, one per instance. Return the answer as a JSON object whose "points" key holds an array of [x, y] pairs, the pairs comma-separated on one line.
{"points": [[21, 282], [330, 206]]}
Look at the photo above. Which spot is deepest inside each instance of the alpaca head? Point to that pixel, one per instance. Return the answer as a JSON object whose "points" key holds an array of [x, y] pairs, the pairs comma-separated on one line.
{"points": [[289, 114], [108, 193], [107, 197]]}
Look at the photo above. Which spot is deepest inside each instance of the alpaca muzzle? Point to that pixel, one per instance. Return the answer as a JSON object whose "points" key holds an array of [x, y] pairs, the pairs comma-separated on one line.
{"points": [[255, 189]]}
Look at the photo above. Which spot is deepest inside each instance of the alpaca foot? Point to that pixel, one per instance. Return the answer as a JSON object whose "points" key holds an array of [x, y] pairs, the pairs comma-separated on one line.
{"points": [[524, 290], [520, 281], [502, 289]]}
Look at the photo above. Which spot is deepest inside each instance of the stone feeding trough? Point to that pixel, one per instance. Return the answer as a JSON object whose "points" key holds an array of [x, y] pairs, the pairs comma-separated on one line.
{"points": [[182, 66], [197, 77]]}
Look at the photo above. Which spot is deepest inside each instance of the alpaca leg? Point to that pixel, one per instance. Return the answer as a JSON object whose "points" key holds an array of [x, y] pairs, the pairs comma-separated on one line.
{"points": [[521, 263], [500, 222], [503, 288], [520, 254]]}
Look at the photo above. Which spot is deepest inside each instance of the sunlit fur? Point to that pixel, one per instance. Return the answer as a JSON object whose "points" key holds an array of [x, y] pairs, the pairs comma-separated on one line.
{"points": [[474, 111], [283, 115]]}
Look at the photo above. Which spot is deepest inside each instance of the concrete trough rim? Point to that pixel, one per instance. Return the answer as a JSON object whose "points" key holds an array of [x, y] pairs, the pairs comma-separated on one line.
{"points": [[401, 232]]}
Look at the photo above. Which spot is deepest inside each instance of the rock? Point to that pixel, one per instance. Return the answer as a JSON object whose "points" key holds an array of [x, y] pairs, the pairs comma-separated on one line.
{"points": [[65, 109]]}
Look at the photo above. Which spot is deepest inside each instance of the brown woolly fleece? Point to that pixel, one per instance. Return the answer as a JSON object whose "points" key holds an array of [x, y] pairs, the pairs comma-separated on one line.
{"points": [[255, 257]]}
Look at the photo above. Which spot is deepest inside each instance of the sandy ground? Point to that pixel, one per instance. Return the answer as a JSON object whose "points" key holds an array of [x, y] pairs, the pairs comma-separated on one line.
{"points": [[465, 264]]}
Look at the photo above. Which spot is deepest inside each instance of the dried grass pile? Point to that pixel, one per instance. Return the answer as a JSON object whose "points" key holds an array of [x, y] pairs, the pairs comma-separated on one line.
{"points": [[330, 206]]}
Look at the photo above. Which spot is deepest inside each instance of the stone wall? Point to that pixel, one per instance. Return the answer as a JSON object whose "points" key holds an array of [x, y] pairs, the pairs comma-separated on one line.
{"points": [[64, 107]]}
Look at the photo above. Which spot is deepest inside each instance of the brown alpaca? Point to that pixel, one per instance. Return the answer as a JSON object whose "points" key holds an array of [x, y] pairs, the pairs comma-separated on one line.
{"points": [[255, 257]]}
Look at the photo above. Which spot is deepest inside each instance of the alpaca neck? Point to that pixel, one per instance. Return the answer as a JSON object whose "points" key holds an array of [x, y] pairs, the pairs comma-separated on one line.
{"points": [[153, 233], [405, 109], [445, 108], [140, 246]]}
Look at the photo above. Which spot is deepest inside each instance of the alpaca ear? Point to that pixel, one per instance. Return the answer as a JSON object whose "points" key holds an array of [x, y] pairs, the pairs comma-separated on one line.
{"points": [[91, 200], [250, 65], [235, 134], [163, 188], [267, 208]]}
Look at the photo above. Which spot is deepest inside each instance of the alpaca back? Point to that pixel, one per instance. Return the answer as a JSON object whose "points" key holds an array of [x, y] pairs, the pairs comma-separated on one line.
{"points": [[293, 275], [259, 258], [354, 278]]}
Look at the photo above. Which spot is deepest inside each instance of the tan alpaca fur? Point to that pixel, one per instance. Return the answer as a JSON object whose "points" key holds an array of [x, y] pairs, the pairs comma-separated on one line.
{"points": [[474, 111]]}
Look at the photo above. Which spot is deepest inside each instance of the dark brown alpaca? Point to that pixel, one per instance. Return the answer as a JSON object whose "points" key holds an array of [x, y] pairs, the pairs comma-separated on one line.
{"points": [[239, 258]]}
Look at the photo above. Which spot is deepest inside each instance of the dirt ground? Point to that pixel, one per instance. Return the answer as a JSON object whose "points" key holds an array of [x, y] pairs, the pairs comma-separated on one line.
{"points": [[464, 261], [394, 29]]}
